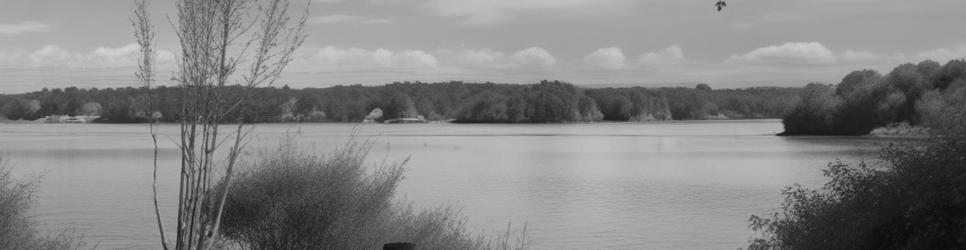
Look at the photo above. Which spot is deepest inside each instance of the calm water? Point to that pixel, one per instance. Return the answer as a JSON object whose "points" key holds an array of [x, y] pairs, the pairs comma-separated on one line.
{"points": [[688, 185]]}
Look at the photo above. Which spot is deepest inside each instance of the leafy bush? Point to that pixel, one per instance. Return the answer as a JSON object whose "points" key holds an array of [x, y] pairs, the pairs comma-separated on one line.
{"points": [[17, 230], [913, 197], [291, 199], [816, 111]]}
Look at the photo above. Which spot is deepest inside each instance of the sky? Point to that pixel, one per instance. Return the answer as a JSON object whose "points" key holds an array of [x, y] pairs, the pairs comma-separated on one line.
{"points": [[89, 43]]}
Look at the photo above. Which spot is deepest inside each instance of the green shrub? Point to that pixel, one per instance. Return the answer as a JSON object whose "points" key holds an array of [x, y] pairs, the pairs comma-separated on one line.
{"points": [[290, 199], [912, 197], [17, 230]]}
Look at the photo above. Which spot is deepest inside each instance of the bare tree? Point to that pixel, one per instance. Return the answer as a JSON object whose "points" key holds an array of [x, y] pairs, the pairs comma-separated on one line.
{"points": [[216, 36], [144, 34]]}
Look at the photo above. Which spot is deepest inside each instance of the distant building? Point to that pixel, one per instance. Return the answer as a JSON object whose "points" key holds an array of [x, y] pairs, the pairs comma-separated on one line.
{"points": [[374, 116], [68, 119]]}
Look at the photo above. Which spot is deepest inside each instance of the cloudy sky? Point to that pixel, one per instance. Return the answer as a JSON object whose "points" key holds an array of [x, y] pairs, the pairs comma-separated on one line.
{"points": [[58, 43]]}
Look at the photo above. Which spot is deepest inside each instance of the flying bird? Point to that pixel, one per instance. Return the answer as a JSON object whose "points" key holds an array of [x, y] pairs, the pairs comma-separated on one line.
{"points": [[721, 4]]}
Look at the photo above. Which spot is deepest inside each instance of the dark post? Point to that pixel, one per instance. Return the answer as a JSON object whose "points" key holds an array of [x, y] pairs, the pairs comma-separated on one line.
{"points": [[399, 246]]}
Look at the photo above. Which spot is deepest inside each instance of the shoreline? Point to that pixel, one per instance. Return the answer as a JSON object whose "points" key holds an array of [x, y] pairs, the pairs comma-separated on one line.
{"points": [[429, 122]]}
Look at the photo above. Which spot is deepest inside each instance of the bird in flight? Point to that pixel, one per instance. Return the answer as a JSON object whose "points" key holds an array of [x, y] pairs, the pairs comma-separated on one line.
{"points": [[721, 4]]}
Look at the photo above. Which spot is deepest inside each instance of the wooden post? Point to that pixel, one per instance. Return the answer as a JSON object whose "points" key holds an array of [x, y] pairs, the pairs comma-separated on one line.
{"points": [[399, 246]]}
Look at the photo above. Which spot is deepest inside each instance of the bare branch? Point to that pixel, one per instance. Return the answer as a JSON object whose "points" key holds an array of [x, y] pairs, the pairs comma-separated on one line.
{"points": [[144, 34], [215, 37]]}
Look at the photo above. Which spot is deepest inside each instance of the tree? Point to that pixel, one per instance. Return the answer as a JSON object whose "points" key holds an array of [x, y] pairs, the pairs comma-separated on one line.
{"points": [[305, 105], [911, 197], [702, 87], [15, 109], [955, 69], [485, 107], [907, 79], [216, 36], [928, 68], [90, 108], [858, 83]]}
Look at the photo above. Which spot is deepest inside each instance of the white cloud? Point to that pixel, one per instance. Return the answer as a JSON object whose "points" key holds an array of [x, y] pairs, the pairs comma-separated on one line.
{"points": [[860, 55], [942, 55], [377, 21], [341, 18], [328, 1], [49, 56], [770, 18], [101, 57], [414, 59], [490, 12], [533, 56], [668, 56], [611, 58], [334, 58], [338, 18], [11, 56], [813, 53], [481, 58], [23, 27]]}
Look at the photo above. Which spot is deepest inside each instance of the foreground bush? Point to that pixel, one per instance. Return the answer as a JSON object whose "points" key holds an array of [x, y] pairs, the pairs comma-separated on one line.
{"points": [[913, 197], [17, 230], [290, 199]]}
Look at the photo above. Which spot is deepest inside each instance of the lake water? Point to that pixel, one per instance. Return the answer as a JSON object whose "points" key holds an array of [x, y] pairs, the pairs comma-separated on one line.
{"points": [[675, 185]]}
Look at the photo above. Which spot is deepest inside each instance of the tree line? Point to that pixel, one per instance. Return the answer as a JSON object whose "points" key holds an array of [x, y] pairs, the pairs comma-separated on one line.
{"points": [[544, 102], [865, 99]]}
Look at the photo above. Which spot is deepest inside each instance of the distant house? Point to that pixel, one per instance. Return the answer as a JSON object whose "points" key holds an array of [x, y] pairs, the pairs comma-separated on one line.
{"points": [[374, 116], [418, 119], [68, 119]]}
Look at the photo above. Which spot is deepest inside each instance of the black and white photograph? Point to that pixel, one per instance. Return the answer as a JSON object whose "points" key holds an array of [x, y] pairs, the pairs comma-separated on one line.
{"points": [[482, 124]]}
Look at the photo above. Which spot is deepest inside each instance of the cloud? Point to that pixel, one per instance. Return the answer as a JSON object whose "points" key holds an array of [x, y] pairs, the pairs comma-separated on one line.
{"points": [[338, 18], [341, 18], [611, 58], [377, 21], [779, 17], [333, 58], [23, 27], [942, 55], [101, 57], [49, 56], [806, 53], [668, 56], [490, 12], [11, 57], [328, 1], [479, 58], [533, 56]]}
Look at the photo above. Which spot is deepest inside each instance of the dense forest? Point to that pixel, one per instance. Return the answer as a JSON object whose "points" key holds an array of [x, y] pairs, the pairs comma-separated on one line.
{"points": [[864, 99], [547, 101]]}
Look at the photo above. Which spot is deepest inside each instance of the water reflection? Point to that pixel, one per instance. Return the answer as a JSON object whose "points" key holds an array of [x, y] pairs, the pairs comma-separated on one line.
{"points": [[607, 185]]}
